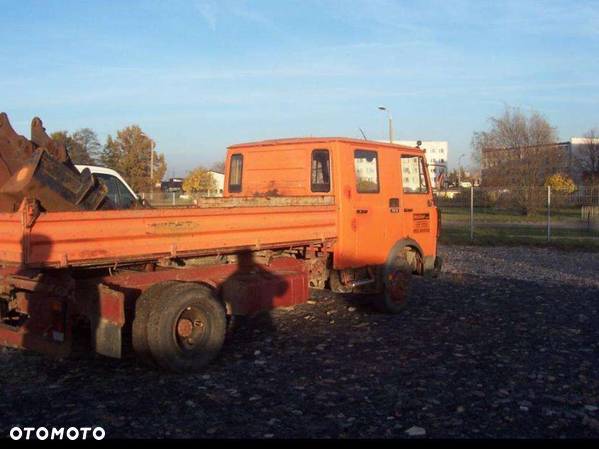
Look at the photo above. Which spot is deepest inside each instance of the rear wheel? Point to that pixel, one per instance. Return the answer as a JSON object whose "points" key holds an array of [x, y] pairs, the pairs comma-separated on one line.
{"points": [[139, 334], [397, 281], [186, 327]]}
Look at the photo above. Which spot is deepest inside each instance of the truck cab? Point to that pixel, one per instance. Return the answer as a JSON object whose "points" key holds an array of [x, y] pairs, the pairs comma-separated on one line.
{"points": [[383, 196]]}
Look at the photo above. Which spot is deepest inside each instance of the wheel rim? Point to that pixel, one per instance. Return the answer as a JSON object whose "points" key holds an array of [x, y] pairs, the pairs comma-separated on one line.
{"points": [[190, 329], [398, 280]]}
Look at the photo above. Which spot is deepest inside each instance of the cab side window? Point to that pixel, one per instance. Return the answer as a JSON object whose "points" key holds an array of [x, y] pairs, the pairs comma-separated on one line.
{"points": [[111, 184], [320, 178], [126, 199], [235, 172], [367, 171], [413, 174], [117, 192]]}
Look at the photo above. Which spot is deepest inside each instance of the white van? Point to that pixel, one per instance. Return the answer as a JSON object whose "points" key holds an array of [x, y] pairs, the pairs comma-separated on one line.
{"points": [[119, 192]]}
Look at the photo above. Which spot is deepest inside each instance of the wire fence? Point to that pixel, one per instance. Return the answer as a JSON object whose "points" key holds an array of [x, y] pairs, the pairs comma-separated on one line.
{"points": [[520, 215], [501, 215]]}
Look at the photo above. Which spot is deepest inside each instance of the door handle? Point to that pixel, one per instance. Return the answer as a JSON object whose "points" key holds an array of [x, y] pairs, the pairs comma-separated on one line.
{"points": [[361, 211], [407, 210]]}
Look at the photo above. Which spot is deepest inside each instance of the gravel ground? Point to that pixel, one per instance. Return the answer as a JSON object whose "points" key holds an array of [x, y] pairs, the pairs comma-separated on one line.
{"points": [[503, 344]]}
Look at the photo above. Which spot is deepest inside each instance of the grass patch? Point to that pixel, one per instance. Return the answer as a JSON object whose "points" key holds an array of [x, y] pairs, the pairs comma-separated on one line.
{"points": [[482, 215], [536, 236]]}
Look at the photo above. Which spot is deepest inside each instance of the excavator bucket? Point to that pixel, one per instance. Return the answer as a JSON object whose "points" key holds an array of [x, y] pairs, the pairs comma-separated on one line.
{"points": [[41, 169]]}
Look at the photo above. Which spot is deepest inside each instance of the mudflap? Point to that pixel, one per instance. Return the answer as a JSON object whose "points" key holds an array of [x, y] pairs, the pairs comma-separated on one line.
{"points": [[107, 338], [106, 314]]}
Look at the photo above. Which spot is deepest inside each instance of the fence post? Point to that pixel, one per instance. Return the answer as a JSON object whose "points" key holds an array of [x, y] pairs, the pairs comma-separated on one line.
{"points": [[174, 201], [548, 213], [471, 212]]}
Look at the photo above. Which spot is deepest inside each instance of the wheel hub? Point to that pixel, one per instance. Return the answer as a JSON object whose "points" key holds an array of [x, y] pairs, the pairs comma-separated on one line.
{"points": [[397, 285], [190, 329], [184, 328]]}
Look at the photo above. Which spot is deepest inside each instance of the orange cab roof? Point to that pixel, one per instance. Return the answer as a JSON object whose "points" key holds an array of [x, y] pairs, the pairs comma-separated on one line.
{"points": [[300, 140]]}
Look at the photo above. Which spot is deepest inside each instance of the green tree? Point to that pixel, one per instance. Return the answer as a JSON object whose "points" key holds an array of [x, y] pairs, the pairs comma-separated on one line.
{"points": [[199, 180], [111, 154], [129, 154]]}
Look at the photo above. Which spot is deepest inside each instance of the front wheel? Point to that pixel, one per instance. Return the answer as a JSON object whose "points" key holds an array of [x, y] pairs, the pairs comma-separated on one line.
{"points": [[397, 283]]}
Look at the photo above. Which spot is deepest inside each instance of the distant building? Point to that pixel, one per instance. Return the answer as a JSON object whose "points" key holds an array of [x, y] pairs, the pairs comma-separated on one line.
{"points": [[175, 185], [502, 165], [172, 185], [219, 178]]}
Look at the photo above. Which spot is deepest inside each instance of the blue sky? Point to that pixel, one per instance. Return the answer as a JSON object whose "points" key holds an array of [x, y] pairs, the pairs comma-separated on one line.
{"points": [[198, 76]]}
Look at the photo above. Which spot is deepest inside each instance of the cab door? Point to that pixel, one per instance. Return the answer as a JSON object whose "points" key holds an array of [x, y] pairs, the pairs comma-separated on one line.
{"points": [[369, 210], [417, 205], [395, 223]]}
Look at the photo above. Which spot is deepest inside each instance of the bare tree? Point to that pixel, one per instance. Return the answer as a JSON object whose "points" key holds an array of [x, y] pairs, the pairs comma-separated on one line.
{"points": [[88, 141], [513, 129], [518, 151], [588, 157], [83, 145], [218, 167]]}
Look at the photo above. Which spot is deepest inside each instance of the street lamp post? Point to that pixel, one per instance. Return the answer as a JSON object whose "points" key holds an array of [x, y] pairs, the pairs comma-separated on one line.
{"points": [[383, 108], [152, 147], [460, 170]]}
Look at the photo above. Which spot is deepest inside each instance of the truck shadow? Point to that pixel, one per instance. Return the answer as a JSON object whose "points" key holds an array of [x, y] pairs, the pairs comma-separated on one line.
{"points": [[40, 313], [461, 342], [251, 290]]}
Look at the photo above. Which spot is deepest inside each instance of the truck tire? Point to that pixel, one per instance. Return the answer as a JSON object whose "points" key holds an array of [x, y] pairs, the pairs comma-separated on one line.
{"points": [[186, 327], [139, 330], [397, 279]]}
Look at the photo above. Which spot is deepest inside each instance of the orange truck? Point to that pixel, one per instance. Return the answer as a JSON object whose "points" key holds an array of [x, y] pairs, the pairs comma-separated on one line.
{"points": [[344, 214]]}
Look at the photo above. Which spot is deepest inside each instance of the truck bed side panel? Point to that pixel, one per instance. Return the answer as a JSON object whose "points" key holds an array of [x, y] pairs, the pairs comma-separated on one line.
{"points": [[87, 238]]}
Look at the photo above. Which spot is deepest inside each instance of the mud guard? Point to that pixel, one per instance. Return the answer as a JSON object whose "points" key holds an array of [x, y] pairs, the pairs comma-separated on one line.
{"points": [[107, 318], [399, 246]]}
